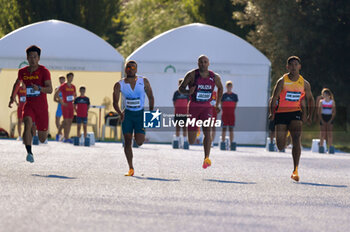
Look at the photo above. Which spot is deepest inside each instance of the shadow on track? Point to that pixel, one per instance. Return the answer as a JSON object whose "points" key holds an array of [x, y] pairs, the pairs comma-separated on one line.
{"points": [[323, 185], [152, 178], [229, 181], [54, 176]]}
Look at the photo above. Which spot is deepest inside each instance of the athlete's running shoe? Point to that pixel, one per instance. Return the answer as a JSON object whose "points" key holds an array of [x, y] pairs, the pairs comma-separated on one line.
{"points": [[130, 173], [68, 141], [206, 163], [295, 176], [30, 158]]}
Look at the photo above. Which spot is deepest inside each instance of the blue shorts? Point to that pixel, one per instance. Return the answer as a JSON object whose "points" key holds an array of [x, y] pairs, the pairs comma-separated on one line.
{"points": [[59, 110], [82, 120], [133, 122]]}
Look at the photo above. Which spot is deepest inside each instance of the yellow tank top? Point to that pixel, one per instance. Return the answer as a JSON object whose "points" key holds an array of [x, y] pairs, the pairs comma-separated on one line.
{"points": [[291, 95]]}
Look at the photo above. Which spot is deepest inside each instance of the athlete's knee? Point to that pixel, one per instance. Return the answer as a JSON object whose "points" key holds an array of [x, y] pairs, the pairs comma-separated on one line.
{"points": [[281, 144]]}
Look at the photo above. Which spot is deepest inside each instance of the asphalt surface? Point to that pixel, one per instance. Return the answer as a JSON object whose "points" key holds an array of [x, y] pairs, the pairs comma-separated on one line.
{"points": [[71, 188]]}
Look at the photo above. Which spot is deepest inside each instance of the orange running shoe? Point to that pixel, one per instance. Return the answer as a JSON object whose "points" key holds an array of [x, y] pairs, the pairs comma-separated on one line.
{"points": [[295, 176], [130, 173], [206, 163]]}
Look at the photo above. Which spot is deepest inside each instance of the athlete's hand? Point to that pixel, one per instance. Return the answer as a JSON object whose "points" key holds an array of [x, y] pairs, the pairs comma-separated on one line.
{"points": [[122, 116], [304, 118], [217, 108], [35, 87], [192, 89], [63, 103], [10, 102], [309, 120], [272, 117]]}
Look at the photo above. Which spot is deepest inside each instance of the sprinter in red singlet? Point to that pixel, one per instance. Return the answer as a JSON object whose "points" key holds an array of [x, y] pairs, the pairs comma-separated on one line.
{"points": [[201, 83]]}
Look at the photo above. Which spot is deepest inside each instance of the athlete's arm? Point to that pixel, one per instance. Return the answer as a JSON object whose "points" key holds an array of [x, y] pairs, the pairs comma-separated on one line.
{"points": [[149, 93], [319, 111], [189, 79], [46, 89], [15, 88], [116, 96], [310, 100], [276, 92], [219, 92], [333, 112], [56, 99]]}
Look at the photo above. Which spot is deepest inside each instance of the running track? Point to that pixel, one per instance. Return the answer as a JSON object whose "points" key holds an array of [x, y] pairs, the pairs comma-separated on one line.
{"points": [[83, 189]]}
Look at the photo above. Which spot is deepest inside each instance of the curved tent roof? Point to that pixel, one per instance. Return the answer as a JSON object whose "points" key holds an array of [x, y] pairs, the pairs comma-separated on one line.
{"points": [[185, 43], [65, 46]]}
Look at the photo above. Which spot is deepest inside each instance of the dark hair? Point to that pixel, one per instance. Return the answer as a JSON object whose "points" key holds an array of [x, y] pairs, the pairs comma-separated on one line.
{"points": [[70, 73], [33, 48], [291, 58], [327, 91], [60, 77], [82, 88], [131, 62]]}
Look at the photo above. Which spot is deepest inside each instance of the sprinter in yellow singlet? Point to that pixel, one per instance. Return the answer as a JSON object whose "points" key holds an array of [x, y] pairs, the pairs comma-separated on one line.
{"points": [[289, 92]]}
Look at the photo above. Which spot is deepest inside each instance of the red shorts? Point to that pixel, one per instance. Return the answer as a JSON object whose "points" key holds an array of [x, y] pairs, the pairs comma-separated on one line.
{"points": [[68, 111], [20, 108], [228, 119], [199, 111], [39, 115]]}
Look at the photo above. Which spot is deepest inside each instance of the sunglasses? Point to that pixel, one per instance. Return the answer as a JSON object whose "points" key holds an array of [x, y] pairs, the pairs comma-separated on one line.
{"points": [[130, 68]]}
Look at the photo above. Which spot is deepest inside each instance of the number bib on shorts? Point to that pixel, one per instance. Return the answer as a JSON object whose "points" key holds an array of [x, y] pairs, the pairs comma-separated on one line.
{"points": [[22, 99], [293, 96], [133, 102], [32, 93], [203, 96], [70, 98]]}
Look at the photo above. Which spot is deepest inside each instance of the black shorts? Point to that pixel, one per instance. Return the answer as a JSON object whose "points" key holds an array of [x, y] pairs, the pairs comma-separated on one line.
{"points": [[272, 125], [326, 118], [286, 118]]}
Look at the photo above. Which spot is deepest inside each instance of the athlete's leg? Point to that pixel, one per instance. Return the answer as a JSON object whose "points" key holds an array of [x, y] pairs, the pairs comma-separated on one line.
{"points": [[85, 129], [231, 134], [323, 134], [19, 127], [78, 129], [42, 136], [295, 127], [139, 138], [330, 134], [192, 135], [281, 133], [223, 134], [177, 132], [128, 149], [213, 133], [67, 127], [27, 134], [184, 132], [60, 128], [57, 121], [207, 141]]}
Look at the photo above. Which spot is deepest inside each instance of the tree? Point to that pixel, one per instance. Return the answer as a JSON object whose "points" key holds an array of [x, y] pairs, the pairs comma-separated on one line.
{"points": [[316, 31], [96, 16]]}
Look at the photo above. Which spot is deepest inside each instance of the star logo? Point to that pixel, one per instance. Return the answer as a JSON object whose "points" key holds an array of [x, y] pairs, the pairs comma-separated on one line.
{"points": [[155, 115]]}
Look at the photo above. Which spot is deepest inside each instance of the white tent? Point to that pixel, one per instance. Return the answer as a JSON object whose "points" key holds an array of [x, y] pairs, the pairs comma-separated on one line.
{"points": [[64, 47], [167, 57]]}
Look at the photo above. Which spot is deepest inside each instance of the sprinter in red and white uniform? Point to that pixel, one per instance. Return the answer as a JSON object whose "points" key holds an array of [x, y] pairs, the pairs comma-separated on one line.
{"points": [[201, 83]]}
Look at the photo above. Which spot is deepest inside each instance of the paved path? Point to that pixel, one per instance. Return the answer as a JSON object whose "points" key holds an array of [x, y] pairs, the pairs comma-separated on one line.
{"points": [[83, 189]]}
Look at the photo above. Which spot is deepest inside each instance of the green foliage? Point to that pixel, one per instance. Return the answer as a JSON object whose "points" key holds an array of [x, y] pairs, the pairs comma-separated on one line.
{"points": [[316, 31], [145, 19], [96, 16]]}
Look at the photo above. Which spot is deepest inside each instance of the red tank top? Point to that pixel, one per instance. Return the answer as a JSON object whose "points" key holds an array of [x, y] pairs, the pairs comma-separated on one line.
{"points": [[204, 87]]}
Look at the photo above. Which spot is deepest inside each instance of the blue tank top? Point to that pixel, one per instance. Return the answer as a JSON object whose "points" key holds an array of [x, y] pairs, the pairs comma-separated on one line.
{"points": [[133, 100]]}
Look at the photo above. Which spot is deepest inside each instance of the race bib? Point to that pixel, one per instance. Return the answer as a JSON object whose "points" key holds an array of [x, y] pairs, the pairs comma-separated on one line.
{"points": [[213, 102], [133, 103], [70, 98], [32, 93], [293, 96], [22, 99], [203, 96]]}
